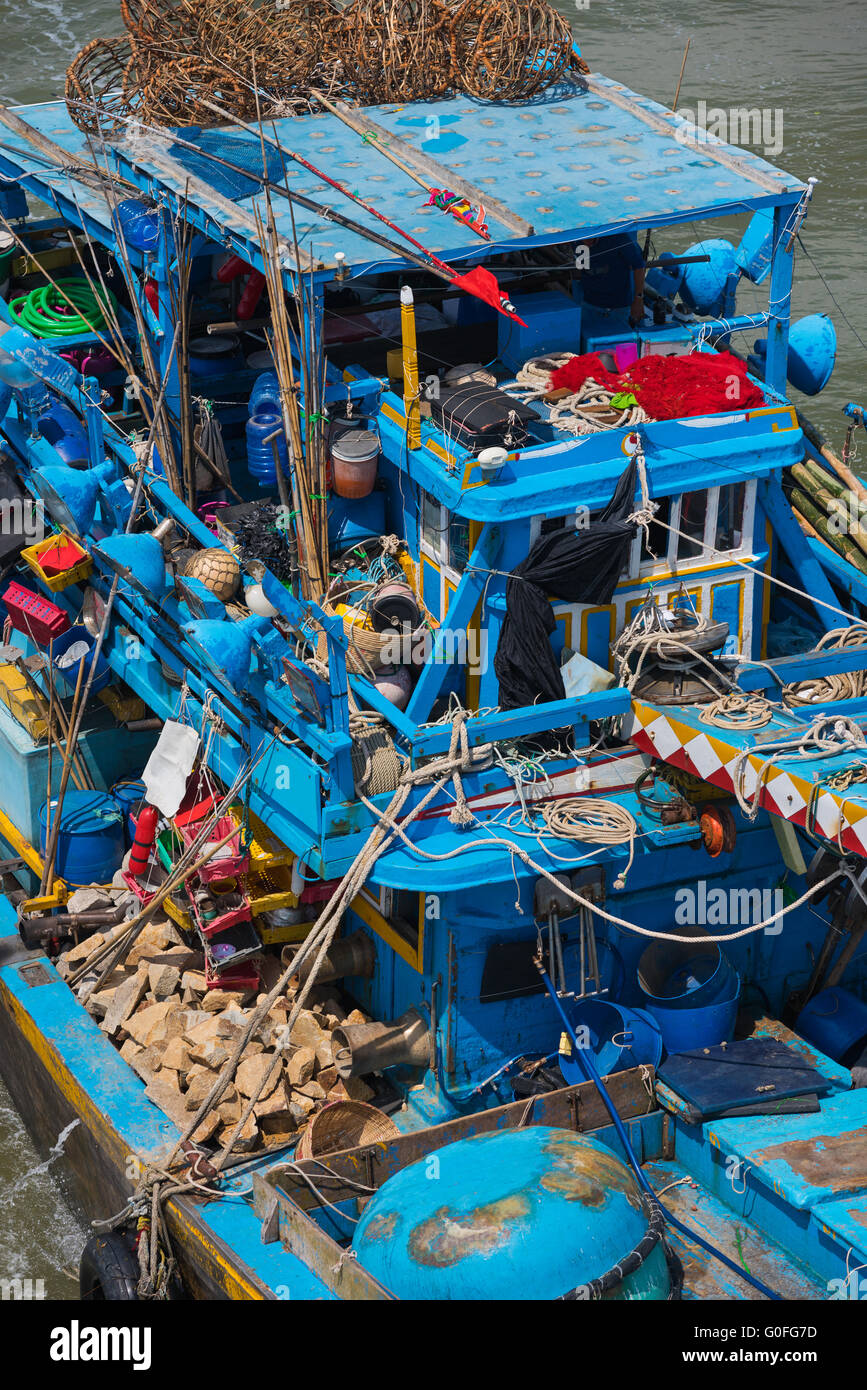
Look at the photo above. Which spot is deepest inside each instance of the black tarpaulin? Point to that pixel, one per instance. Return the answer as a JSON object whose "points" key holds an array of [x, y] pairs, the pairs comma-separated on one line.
{"points": [[575, 566]]}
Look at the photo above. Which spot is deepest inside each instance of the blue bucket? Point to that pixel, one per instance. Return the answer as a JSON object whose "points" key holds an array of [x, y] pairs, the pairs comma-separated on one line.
{"points": [[835, 1021], [90, 846], [684, 1030], [685, 974], [102, 673], [619, 1038], [129, 796]]}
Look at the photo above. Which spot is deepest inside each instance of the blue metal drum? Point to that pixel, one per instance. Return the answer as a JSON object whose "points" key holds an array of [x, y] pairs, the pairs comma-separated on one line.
{"points": [[90, 845], [526, 1213]]}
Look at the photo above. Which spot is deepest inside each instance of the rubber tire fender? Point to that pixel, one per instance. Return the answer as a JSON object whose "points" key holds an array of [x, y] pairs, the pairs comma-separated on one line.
{"points": [[109, 1270]]}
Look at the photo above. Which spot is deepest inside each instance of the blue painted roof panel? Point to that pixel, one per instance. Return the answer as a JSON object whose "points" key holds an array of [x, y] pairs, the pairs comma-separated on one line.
{"points": [[579, 160]]}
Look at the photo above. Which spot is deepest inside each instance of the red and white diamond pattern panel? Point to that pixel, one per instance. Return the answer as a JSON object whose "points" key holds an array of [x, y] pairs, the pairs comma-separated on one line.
{"points": [[716, 756]]}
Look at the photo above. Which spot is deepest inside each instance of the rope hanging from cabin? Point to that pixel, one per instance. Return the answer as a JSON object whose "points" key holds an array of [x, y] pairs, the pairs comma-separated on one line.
{"points": [[842, 685]]}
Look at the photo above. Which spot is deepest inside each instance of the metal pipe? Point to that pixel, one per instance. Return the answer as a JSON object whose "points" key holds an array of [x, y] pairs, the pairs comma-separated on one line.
{"points": [[360, 1048], [351, 955]]}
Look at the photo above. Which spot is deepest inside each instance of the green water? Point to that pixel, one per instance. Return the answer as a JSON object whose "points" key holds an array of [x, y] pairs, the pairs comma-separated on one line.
{"points": [[803, 58]]}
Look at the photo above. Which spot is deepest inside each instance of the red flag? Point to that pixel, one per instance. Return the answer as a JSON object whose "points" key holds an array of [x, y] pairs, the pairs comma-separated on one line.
{"points": [[483, 285]]}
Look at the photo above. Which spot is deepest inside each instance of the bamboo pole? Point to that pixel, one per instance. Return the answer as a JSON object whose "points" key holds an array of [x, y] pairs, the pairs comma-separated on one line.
{"points": [[843, 545], [820, 443]]}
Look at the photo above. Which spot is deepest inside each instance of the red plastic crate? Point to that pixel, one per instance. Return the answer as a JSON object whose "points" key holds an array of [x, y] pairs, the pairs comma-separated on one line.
{"points": [[37, 617], [243, 976]]}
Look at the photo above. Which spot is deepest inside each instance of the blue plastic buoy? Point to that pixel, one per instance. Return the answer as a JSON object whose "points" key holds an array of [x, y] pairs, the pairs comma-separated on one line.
{"points": [[812, 353], [517, 1214], [707, 286], [227, 648], [137, 559], [90, 845]]}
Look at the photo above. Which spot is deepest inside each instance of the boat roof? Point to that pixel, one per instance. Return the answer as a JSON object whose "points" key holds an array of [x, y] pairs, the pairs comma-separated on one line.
{"points": [[583, 159]]}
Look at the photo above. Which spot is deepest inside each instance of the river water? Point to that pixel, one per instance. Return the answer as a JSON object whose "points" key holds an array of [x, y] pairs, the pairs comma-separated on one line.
{"points": [[798, 61]]}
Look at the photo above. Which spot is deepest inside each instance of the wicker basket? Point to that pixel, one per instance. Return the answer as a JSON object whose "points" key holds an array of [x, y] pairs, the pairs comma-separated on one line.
{"points": [[366, 647], [344, 1125]]}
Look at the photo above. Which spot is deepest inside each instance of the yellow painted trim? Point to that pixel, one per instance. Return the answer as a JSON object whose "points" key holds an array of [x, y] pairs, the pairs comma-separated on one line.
{"points": [[432, 564], [708, 567], [107, 1136], [396, 416], [777, 410], [766, 597], [66, 1083], [566, 620], [373, 918], [441, 453]]}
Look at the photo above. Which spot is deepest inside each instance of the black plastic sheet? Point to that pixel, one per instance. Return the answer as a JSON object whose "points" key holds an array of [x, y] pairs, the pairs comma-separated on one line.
{"points": [[575, 566]]}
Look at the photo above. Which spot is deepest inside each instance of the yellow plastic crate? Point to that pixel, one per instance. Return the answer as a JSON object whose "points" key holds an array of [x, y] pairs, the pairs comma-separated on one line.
{"points": [[280, 936], [269, 889], [55, 582]]}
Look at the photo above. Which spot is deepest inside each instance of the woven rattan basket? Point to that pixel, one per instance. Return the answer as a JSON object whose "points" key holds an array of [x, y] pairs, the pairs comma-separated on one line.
{"points": [[344, 1125], [366, 647]]}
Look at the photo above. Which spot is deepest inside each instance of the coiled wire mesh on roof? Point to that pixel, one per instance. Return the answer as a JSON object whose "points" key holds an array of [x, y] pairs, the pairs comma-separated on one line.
{"points": [[177, 54]]}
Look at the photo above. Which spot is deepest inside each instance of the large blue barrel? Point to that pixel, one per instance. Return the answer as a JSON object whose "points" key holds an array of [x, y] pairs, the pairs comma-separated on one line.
{"points": [[686, 973], [835, 1021], [260, 456], [90, 845], [529, 1213], [683, 1030]]}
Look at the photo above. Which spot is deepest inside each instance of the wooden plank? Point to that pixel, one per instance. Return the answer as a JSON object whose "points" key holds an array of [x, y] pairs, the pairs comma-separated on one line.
{"points": [[303, 1237], [384, 140], [578, 1108], [720, 153]]}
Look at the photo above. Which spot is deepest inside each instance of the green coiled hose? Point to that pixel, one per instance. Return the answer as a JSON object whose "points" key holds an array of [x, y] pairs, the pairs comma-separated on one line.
{"points": [[46, 314]]}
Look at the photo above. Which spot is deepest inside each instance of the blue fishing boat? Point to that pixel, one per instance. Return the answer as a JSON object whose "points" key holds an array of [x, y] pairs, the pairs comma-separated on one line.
{"points": [[433, 703]]}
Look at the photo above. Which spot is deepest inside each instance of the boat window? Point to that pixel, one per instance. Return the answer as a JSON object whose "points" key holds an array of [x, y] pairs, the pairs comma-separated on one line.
{"points": [[655, 547], [552, 523], [693, 514], [730, 517], [401, 907], [459, 544], [431, 522]]}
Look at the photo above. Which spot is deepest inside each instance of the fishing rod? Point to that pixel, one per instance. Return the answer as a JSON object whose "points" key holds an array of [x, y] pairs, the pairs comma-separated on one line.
{"points": [[478, 281], [284, 152]]}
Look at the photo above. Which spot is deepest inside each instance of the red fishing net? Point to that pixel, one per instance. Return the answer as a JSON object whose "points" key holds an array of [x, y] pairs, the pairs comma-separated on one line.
{"points": [[668, 388]]}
